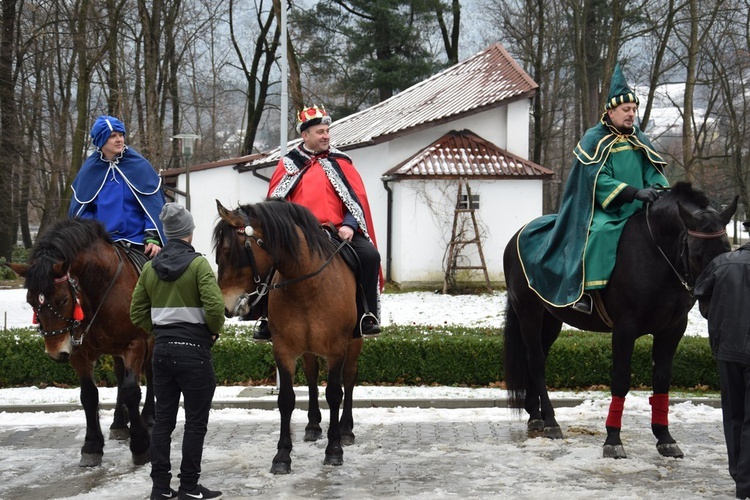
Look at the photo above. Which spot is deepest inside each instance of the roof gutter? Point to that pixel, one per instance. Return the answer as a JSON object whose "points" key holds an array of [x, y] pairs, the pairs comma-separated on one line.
{"points": [[263, 177], [389, 226]]}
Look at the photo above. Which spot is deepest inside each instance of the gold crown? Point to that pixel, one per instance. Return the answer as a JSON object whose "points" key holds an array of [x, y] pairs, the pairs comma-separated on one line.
{"points": [[311, 113]]}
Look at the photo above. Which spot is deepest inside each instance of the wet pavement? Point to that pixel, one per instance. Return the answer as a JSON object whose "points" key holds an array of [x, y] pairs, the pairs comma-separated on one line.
{"points": [[472, 449]]}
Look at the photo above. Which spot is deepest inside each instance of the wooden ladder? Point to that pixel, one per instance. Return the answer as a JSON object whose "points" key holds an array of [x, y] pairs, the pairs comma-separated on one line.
{"points": [[459, 241]]}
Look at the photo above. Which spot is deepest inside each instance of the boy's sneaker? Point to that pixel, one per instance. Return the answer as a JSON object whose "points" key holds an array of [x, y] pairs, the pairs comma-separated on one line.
{"points": [[199, 493], [158, 494]]}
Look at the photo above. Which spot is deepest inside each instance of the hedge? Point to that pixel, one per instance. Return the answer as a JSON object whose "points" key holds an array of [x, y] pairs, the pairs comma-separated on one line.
{"points": [[405, 355]]}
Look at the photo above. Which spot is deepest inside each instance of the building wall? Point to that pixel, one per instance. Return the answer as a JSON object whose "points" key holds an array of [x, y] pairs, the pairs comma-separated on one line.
{"points": [[422, 230], [224, 184], [422, 210]]}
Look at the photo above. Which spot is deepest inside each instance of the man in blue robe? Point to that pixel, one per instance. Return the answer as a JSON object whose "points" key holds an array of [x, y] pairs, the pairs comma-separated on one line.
{"points": [[119, 187], [615, 171]]}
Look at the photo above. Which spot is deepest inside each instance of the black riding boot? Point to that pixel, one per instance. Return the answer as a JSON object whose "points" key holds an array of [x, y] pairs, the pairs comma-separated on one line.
{"points": [[262, 333], [584, 304]]}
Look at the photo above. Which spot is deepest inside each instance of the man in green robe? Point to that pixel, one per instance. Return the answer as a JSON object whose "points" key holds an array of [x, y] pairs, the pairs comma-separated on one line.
{"points": [[615, 171]]}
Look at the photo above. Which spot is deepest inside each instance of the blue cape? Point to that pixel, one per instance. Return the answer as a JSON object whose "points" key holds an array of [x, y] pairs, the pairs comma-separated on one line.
{"points": [[144, 183]]}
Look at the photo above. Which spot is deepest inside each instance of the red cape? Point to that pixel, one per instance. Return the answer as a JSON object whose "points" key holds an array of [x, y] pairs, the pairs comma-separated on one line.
{"points": [[318, 193]]}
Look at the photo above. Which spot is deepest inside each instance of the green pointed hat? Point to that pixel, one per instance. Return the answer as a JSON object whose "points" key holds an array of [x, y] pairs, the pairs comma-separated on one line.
{"points": [[619, 91]]}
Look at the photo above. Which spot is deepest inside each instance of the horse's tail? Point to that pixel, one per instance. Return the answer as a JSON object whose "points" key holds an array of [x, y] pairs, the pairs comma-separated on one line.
{"points": [[515, 364]]}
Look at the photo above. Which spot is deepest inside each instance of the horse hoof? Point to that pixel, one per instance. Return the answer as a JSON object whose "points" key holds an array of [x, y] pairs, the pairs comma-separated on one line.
{"points": [[141, 458], [334, 460], [281, 468], [614, 451], [347, 439], [90, 460], [553, 432], [313, 434], [669, 450], [119, 434], [535, 425]]}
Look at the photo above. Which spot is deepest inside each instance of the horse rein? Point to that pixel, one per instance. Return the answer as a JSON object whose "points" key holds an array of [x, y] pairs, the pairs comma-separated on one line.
{"points": [[263, 287], [71, 323], [685, 281]]}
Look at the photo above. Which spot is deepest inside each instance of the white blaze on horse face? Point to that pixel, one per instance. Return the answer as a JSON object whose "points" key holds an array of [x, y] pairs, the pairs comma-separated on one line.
{"points": [[58, 347], [232, 298]]}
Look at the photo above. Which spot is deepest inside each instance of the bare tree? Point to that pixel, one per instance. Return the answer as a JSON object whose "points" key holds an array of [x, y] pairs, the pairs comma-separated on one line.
{"points": [[450, 35], [258, 72], [9, 125]]}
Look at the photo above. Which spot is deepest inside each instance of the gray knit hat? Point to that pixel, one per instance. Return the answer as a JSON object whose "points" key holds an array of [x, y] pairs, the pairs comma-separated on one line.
{"points": [[178, 222]]}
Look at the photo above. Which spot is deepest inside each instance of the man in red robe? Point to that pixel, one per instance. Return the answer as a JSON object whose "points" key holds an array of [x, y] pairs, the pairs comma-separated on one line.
{"points": [[324, 180]]}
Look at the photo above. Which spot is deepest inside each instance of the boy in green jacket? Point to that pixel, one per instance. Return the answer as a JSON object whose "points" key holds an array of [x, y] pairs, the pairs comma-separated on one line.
{"points": [[177, 298]]}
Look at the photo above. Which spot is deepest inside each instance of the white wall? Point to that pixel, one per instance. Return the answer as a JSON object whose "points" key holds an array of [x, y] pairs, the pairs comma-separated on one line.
{"points": [[224, 184], [423, 222], [517, 141]]}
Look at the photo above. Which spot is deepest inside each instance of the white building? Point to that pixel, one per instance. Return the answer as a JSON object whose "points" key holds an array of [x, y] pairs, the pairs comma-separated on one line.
{"points": [[469, 123]]}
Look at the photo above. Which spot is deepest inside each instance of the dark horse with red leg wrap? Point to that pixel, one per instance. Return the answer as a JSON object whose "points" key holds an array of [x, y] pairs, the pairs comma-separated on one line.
{"points": [[80, 284], [661, 251]]}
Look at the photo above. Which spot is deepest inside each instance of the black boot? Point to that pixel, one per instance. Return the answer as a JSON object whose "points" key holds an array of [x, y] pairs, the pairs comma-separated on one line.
{"points": [[584, 304], [370, 327], [262, 333]]}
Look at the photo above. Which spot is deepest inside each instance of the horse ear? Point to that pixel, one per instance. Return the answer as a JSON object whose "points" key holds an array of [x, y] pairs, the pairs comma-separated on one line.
{"points": [[687, 218], [229, 217], [221, 209], [727, 213], [59, 269], [19, 269]]}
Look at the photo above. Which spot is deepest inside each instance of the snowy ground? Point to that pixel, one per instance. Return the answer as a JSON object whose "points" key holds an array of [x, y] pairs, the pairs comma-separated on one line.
{"points": [[421, 308], [241, 442]]}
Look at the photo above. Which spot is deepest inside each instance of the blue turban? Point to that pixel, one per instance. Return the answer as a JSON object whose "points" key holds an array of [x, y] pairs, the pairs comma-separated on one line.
{"points": [[103, 128]]}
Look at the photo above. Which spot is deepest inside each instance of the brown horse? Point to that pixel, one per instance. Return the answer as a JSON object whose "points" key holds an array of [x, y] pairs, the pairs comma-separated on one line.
{"points": [[79, 285], [279, 248]]}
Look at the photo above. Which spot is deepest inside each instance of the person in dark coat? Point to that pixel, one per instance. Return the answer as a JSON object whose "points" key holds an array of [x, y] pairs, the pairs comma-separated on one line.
{"points": [[723, 292]]}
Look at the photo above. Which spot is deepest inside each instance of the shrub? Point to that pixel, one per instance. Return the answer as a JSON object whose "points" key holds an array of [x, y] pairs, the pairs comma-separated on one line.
{"points": [[409, 355]]}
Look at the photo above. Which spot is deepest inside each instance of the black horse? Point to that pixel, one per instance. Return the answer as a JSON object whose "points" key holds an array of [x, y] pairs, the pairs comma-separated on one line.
{"points": [[662, 250]]}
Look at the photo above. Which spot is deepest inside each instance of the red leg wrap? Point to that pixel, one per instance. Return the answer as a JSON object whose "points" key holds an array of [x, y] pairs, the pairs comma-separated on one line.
{"points": [[614, 419], [659, 409]]}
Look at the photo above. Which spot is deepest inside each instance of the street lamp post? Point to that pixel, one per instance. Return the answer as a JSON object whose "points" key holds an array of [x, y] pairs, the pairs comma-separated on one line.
{"points": [[187, 144]]}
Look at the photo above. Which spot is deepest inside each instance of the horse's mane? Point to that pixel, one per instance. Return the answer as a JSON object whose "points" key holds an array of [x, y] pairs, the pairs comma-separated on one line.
{"points": [[278, 220], [685, 194], [61, 242]]}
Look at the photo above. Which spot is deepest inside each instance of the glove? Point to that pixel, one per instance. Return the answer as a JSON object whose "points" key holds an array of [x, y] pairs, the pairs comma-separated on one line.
{"points": [[151, 236], [647, 195]]}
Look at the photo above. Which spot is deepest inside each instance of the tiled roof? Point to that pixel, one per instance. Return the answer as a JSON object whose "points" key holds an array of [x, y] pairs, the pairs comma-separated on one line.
{"points": [[465, 154], [485, 80]]}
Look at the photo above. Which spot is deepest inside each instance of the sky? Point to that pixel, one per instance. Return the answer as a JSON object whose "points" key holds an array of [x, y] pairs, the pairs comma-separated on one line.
{"points": [[515, 466]]}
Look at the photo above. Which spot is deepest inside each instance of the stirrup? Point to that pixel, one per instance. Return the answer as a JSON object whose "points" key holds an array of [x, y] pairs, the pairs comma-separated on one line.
{"points": [[371, 329], [585, 304], [262, 333]]}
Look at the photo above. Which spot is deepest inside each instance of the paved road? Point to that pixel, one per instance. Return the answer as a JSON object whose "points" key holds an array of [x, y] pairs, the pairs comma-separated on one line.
{"points": [[436, 453]]}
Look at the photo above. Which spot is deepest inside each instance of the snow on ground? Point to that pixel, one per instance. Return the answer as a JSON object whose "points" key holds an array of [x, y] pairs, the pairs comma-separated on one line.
{"points": [[410, 308]]}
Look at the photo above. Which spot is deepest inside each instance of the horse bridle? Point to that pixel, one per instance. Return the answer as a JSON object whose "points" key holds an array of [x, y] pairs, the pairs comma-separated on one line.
{"points": [[262, 287], [684, 248], [71, 324]]}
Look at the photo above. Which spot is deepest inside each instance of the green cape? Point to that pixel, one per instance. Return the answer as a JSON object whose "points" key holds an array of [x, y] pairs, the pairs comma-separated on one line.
{"points": [[551, 247]]}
